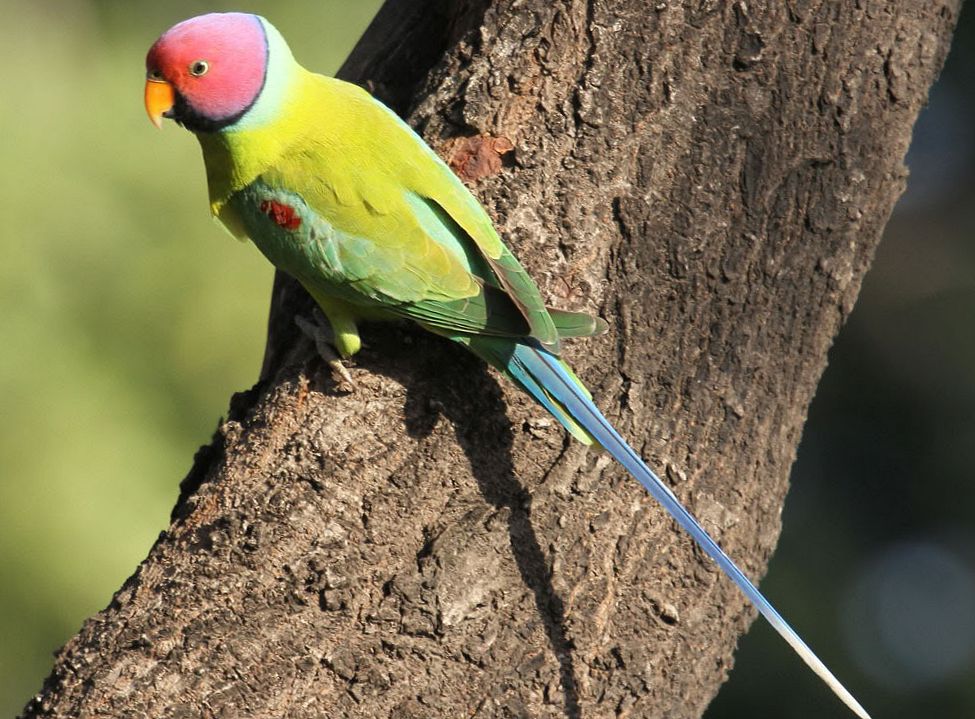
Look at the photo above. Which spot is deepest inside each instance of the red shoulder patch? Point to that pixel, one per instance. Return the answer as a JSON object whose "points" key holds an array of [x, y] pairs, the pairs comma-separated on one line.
{"points": [[282, 214]]}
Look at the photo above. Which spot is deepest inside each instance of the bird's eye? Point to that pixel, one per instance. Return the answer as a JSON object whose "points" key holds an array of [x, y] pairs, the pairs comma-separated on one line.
{"points": [[155, 75], [199, 68]]}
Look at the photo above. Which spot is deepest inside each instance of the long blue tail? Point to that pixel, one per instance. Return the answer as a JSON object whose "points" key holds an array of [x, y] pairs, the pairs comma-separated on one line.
{"points": [[548, 372]]}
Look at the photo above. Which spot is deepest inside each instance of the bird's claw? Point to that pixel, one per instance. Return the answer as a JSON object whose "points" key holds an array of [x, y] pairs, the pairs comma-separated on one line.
{"points": [[320, 332]]}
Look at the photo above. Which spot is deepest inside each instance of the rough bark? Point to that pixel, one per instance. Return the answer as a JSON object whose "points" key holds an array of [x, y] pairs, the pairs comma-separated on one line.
{"points": [[712, 178]]}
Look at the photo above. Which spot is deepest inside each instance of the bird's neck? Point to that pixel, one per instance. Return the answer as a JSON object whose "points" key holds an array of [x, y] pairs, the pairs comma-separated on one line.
{"points": [[238, 155], [230, 165]]}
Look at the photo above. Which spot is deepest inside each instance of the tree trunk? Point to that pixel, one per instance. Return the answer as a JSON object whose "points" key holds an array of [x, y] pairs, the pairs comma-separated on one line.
{"points": [[712, 177]]}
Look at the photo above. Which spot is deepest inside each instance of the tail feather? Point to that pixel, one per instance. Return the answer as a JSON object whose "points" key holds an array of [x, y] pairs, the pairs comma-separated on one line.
{"points": [[562, 389], [502, 353]]}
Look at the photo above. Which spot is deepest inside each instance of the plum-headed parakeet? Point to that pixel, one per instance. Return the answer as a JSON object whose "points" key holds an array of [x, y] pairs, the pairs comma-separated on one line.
{"points": [[341, 194]]}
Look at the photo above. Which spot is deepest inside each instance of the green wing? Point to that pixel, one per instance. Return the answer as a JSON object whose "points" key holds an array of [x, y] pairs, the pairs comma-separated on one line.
{"points": [[412, 240]]}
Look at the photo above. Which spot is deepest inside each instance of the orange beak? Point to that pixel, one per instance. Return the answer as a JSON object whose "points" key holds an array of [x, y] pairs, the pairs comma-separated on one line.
{"points": [[159, 100]]}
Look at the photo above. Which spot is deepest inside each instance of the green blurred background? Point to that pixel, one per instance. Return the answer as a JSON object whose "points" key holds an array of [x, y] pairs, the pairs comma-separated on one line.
{"points": [[130, 318]]}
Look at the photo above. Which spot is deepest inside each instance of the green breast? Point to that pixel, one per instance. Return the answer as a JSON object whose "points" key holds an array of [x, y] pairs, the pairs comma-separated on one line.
{"points": [[299, 241]]}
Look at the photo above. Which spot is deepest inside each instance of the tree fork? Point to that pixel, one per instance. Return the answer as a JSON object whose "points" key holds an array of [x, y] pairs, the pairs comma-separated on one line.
{"points": [[712, 177]]}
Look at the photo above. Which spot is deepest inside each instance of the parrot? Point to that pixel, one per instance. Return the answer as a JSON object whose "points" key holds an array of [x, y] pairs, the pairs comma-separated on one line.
{"points": [[340, 193]]}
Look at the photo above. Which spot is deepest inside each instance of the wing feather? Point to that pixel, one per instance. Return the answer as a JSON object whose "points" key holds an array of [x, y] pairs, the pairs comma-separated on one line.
{"points": [[411, 237]]}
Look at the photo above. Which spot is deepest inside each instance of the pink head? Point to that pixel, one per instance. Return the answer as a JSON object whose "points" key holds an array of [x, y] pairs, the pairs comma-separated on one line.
{"points": [[206, 72]]}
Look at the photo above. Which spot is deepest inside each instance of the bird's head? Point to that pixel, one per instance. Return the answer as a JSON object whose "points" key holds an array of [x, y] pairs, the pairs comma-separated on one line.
{"points": [[208, 72]]}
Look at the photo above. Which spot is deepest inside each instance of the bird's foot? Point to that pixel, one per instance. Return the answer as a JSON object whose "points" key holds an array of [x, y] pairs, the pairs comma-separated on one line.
{"points": [[320, 332]]}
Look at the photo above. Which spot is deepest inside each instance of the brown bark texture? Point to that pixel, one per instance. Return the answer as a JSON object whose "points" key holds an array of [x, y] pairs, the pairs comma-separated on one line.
{"points": [[711, 177]]}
